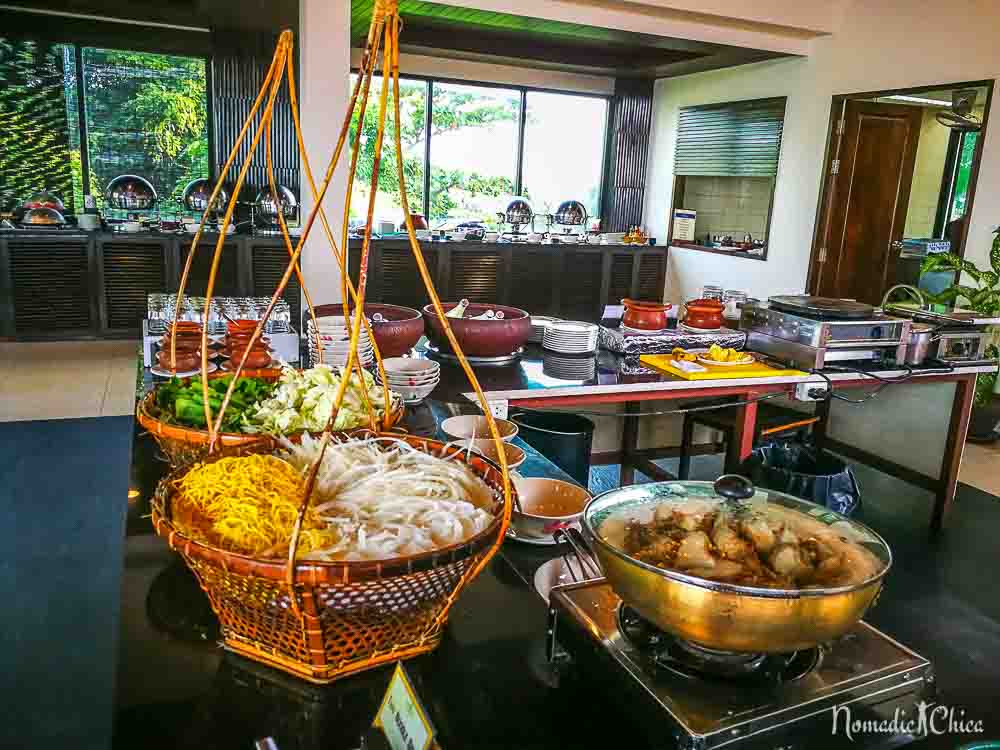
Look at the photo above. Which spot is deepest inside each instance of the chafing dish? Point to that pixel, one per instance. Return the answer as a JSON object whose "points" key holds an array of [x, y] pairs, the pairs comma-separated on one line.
{"points": [[43, 217], [571, 214], [130, 192], [44, 199], [197, 194], [266, 208]]}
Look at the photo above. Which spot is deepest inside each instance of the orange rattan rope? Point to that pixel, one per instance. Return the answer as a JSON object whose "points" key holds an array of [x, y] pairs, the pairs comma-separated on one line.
{"points": [[384, 34]]}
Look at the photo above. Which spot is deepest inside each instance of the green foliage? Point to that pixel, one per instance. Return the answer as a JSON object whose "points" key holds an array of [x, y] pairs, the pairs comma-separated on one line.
{"points": [[147, 115], [984, 298], [450, 189], [33, 122]]}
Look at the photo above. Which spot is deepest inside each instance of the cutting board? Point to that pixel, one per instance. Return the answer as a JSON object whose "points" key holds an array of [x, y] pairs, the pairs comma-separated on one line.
{"points": [[665, 362]]}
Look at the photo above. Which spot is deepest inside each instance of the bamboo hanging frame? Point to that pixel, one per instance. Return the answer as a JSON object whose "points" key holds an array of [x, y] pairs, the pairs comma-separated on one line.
{"points": [[382, 44]]}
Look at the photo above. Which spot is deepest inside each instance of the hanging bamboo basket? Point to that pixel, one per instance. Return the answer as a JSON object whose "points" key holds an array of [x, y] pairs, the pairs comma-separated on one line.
{"points": [[322, 621]]}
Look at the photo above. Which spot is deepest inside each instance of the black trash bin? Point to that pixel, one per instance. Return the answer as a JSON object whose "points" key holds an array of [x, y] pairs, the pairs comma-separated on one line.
{"points": [[802, 470], [564, 439]]}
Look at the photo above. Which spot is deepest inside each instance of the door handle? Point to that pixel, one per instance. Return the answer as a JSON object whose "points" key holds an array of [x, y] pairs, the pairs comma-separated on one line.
{"points": [[896, 245]]}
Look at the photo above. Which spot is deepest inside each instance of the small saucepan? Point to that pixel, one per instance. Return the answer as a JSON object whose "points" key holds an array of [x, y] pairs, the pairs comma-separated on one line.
{"points": [[918, 346]]}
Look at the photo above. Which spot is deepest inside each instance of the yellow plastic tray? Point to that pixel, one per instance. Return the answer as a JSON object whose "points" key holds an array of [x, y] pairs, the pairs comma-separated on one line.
{"points": [[665, 362]]}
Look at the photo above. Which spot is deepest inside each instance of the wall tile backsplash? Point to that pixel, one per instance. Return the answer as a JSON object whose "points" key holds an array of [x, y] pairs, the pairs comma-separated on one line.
{"points": [[729, 205]]}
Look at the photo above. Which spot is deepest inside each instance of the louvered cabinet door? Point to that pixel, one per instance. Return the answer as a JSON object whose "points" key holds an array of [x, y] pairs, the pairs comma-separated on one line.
{"points": [[132, 270], [532, 281], [580, 285], [50, 283], [268, 265], [475, 275], [226, 280], [620, 284], [399, 281], [652, 269]]}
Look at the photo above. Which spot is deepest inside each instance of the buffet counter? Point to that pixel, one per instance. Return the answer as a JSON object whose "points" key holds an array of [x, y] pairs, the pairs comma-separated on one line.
{"points": [[490, 684], [66, 284], [931, 408], [62, 284]]}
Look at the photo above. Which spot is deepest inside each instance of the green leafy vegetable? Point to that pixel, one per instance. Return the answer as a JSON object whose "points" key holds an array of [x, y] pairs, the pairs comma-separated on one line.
{"points": [[183, 403]]}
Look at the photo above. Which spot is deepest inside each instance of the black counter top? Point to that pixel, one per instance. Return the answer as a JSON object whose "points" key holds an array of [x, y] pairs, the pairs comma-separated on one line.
{"points": [[488, 685]]}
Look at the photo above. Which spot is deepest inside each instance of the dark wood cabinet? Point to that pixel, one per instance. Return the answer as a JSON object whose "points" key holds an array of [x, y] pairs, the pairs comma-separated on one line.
{"points": [[570, 281], [57, 285]]}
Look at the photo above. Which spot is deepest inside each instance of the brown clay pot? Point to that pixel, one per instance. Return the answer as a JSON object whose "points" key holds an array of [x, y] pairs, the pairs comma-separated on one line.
{"points": [[703, 313], [646, 316], [480, 338], [185, 360]]}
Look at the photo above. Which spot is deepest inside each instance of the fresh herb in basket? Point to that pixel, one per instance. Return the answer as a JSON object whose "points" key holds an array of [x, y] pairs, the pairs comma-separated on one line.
{"points": [[183, 403]]}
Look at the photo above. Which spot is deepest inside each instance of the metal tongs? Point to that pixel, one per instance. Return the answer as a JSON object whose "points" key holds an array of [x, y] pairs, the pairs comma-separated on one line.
{"points": [[587, 567]]}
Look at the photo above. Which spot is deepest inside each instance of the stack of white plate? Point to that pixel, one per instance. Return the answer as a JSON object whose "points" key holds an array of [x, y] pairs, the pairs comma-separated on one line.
{"points": [[335, 339], [413, 379], [538, 325], [570, 337], [569, 368]]}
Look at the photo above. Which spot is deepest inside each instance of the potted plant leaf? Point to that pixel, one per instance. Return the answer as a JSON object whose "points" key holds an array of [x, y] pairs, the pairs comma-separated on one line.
{"points": [[984, 299]]}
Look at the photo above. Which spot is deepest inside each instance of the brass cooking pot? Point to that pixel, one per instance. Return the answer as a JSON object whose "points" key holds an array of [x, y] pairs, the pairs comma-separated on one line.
{"points": [[727, 616]]}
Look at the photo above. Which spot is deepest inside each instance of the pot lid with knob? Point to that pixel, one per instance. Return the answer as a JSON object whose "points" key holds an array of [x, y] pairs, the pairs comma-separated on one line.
{"points": [[130, 192]]}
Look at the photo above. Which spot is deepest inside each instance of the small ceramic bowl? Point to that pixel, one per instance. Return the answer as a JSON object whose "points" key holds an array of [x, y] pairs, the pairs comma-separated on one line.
{"points": [[475, 426], [547, 505], [487, 448]]}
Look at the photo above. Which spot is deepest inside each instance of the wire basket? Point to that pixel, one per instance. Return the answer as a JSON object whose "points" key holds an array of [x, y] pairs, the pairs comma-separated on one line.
{"points": [[185, 445], [351, 615]]}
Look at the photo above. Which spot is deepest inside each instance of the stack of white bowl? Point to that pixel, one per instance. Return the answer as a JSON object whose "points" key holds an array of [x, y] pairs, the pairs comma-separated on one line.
{"points": [[413, 379], [335, 339], [570, 337]]}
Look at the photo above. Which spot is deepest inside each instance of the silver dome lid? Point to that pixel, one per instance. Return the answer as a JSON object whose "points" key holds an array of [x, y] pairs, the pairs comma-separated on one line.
{"points": [[266, 209], [571, 213], [130, 192], [518, 212], [198, 192], [43, 217], [44, 199]]}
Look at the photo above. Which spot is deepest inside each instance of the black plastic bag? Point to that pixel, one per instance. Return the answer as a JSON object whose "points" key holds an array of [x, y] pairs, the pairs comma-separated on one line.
{"points": [[800, 469]]}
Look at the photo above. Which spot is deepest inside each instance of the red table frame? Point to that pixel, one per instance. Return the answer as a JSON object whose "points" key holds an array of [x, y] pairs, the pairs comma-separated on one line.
{"points": [[944, 485]]}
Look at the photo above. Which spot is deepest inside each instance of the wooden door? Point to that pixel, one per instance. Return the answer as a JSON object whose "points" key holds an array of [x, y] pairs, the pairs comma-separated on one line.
{"points": [[870, 190]]}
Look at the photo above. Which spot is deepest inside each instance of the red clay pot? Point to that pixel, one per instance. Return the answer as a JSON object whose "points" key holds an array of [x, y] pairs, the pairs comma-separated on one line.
{"points": [[646, 316], [704, 313]]}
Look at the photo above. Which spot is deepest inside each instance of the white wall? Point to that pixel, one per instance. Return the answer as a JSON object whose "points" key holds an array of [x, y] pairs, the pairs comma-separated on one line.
{"points": [[324, 62], [881, 44]]}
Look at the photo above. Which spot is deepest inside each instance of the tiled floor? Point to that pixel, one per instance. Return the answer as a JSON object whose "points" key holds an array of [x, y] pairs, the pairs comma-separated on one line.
{"points": [[67, 379], [981, 467]]}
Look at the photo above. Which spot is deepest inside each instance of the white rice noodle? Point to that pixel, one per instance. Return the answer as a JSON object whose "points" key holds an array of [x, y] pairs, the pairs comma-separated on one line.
{"points": [[387, 499]]}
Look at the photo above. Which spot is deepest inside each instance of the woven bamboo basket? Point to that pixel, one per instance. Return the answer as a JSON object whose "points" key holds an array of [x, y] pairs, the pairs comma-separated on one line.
{"points": [[186, 445], [351, 616]]}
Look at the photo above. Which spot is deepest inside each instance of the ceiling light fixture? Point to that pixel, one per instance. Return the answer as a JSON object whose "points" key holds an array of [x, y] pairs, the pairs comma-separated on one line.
{"points": [[919, 100]]}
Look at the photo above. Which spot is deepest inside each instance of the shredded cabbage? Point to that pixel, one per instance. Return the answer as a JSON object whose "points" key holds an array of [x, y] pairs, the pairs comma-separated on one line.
{"points": [[304, 400]]}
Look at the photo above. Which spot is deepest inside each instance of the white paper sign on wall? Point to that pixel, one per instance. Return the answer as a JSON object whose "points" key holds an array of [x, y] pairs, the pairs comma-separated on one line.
{"points": [[684, 221]]}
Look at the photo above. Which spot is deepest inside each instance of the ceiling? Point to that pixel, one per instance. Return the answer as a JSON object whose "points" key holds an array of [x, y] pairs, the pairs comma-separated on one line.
{"points": [[471, 34]]}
